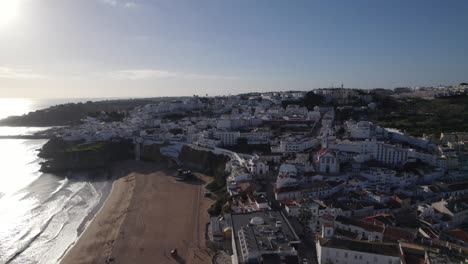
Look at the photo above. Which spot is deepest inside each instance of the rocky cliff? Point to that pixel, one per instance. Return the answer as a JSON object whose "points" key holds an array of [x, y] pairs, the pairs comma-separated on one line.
{"points": [[195, 159], [63, 155], [204, 161]]}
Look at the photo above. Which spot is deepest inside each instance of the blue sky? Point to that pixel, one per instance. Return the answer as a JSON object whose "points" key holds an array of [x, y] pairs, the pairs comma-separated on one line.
{"points": [[137, 48]]}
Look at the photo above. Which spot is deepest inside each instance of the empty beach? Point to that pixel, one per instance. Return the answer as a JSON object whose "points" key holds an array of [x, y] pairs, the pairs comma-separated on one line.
{"points": [[147, 214]]}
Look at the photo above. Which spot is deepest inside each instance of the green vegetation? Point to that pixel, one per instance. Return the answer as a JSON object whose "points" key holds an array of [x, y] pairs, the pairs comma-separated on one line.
{"points": [[218, 207], [310, 100], [304, 215], [174, 116], [218, 187], [99, 146], [108, 117], [176, 131], [418, 116], [71, 114]]}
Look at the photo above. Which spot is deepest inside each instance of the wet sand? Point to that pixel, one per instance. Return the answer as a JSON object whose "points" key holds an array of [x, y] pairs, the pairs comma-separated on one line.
{"points": [[147, 214]]}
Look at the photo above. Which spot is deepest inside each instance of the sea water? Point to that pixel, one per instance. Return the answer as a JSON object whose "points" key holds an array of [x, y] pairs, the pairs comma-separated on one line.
{"points": [[41, 214]]}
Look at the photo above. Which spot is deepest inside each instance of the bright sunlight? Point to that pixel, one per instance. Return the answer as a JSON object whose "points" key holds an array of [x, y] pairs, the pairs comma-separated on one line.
{"points": [[8, 11]]}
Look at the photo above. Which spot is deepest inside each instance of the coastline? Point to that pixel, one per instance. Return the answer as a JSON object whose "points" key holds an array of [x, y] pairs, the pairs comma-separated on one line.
{"points": [[95, 242], [146, 215]]}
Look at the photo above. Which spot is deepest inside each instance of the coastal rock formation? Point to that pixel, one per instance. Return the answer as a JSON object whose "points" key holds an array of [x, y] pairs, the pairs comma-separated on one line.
{"points": [[153, 153], [200, 160], [204, 161], [61, 156]]}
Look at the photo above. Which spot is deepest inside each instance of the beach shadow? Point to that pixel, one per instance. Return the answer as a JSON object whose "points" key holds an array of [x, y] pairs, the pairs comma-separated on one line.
{"points": [[179, 259], [196, 181], [117, 170]]}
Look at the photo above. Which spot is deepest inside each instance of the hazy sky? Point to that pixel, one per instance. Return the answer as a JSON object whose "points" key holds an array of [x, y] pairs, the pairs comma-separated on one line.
{"points": [[118, 48]]}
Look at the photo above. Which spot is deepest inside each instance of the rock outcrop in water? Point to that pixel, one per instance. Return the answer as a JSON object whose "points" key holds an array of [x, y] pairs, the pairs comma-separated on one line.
{"points": [[61, 156]]}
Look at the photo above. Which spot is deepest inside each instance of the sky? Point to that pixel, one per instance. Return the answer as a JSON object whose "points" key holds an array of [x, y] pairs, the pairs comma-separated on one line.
{"points": [[146, 48]]}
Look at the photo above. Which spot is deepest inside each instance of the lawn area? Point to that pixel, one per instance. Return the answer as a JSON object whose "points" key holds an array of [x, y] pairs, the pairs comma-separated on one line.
{"points": [[99, 146]]}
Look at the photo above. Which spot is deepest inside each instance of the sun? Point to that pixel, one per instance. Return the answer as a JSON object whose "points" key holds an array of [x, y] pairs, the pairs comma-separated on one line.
{"points": [[8, 11]]}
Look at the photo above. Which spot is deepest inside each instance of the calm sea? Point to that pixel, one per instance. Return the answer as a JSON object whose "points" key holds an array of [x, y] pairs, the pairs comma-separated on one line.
{"points": [[41, 215], [21, 106]]}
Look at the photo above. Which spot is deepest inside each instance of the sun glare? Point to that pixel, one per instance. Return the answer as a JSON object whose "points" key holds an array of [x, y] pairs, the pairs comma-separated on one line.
{"points": [[8, 11]]}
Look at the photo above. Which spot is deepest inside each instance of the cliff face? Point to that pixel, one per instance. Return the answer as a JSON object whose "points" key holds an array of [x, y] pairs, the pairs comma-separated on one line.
{"points": [[64, 155], [204, 161], [194, 159], [153, 153]]}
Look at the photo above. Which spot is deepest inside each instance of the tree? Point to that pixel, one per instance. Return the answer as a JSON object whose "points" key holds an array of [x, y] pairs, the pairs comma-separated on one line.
{"points": [[312, 99], [304, 215], [176, 131], [340, 133]]}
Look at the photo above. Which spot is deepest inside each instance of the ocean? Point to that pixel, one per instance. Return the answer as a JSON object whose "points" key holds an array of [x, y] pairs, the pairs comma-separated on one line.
{"points": [[21, 106], [41, 214]]}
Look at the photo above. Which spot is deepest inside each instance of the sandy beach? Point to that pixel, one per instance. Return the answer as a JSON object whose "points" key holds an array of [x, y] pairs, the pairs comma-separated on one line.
{"points": [[147, 214]]}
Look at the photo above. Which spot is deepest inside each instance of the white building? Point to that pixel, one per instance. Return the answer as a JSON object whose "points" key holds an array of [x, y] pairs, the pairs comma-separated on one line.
{"points": [[331, 249], [228, 138], [389, 177], [207, 142], [292, 144], [258, 235], [257, 167], [361, 129], [328, 161]]}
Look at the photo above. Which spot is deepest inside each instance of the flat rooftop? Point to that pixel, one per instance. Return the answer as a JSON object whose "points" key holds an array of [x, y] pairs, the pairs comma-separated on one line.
{"points": [[387, 249], [262, 231]]}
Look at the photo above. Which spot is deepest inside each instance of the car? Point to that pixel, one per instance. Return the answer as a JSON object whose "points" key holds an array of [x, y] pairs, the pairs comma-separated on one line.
{"points": [[304, 261]]}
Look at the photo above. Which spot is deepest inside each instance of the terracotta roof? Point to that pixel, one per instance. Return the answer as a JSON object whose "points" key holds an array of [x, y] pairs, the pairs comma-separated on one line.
{"points": [[380, 219], [322, 150], [328, 217], [460, 234], [290, 202], [399, 234], [247, 186], [358, 223]]}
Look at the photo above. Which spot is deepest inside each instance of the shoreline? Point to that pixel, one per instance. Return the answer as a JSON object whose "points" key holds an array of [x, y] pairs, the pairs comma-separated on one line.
{"points": [[146, 215], [90, 217], [90, 239]]}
